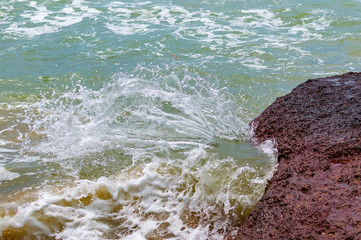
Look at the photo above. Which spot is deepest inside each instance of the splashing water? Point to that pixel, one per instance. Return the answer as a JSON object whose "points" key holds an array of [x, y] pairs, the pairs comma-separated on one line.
{"points": [[158, 116], [129, 119], [138, 159]]}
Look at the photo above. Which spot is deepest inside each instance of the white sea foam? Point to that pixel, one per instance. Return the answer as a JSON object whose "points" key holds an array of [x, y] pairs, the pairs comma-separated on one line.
{"points": [[169, 114], [147, 201], [264, 18], [47, 21], [160, 133], [251, 29], [7, 175], [125, 28], [177, 183], [269, 147]]}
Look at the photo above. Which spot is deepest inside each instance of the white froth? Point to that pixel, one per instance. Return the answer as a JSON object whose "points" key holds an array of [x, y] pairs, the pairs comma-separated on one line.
{"points": [[30, 32], [133, 110], [257, 18], [7, 175], [127, 29], [47, 21], [146, 197], [169, 127], [269, 147], [204, 26], [175, 184]]}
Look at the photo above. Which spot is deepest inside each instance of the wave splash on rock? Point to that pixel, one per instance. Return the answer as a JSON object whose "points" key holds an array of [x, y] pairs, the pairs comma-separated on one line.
{"points": [[316, 192]]}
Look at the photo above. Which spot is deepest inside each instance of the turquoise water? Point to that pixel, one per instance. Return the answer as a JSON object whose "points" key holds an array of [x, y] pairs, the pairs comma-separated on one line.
{"points": [[129, 119]]}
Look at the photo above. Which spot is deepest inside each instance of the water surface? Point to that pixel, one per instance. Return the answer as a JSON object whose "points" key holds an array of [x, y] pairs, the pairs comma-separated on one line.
{"points": [[129, 119]]}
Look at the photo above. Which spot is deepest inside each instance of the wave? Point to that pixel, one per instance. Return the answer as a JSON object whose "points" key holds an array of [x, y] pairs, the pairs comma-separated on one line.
{"points": [[155, 157]]}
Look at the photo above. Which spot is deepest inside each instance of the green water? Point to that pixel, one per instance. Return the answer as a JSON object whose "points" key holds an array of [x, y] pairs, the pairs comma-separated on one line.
{"points": [[129, 119]]}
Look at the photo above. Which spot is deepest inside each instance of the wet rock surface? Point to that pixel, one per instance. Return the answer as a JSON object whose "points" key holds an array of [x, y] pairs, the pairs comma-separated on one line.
{"points": [[316, 191]]}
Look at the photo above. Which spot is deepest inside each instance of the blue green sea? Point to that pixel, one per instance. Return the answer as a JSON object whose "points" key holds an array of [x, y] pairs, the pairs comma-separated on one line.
{"points": [[128, 119]]}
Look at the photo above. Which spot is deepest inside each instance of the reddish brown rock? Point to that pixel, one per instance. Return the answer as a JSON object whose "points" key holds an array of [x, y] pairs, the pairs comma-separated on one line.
{"points": [[316, 191]]}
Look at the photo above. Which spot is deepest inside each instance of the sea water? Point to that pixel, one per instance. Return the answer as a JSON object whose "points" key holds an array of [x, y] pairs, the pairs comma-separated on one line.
{"points": [[130, 119]]}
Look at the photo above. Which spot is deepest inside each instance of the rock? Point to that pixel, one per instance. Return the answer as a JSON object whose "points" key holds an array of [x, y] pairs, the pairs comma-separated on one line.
{"points": [[316, 191]]}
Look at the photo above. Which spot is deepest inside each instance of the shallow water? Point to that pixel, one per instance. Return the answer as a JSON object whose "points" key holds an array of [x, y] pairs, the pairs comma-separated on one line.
{"points": [[129, 119]]}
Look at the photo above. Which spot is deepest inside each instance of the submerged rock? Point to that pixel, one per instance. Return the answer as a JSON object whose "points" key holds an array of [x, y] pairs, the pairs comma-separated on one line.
{"points": [[316, 191]]}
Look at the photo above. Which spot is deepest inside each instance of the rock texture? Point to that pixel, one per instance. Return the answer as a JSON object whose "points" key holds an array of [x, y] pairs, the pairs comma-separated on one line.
{"points": [[316, 191]]}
